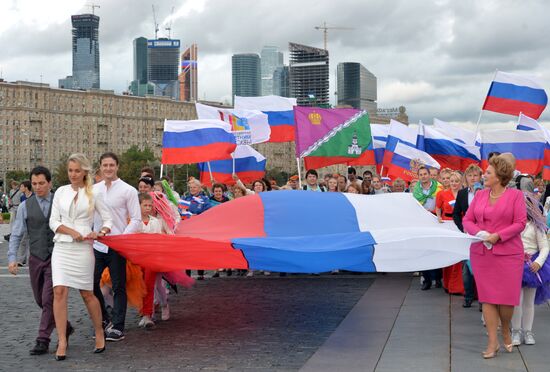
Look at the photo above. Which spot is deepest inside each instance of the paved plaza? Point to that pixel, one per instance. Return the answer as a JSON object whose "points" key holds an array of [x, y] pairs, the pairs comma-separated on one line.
{"points": [[310, 323]]}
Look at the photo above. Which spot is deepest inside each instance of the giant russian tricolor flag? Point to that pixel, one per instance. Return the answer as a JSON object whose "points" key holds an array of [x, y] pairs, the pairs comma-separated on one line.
{"points": [[249, 166], [511, 94], [528, 124], [448, 152], [280, 114], [194, 141], [270, 231], [398, 132], [406, 161], [527, 147]]}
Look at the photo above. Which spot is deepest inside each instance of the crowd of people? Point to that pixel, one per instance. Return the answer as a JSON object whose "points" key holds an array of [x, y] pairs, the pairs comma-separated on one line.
{"points": [[507, 270]]}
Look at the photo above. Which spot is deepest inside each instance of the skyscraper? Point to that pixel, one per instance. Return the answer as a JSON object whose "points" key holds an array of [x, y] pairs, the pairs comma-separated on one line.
{"points": [[246, 75], [85, 51], [163, 65], [271, 58], [189, 74], [281, 85], [357, 87], [140, 85], [309, 75]]}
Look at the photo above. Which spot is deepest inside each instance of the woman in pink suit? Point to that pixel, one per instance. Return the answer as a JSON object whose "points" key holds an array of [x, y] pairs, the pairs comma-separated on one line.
{"points": [[498, 215]]}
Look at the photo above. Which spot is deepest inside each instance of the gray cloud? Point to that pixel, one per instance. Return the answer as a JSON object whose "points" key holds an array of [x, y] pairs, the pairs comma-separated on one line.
{"points": [[437, 58]]}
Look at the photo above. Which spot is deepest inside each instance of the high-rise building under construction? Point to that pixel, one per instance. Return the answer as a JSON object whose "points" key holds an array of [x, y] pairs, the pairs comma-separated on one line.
{"points": [[309, 75]]}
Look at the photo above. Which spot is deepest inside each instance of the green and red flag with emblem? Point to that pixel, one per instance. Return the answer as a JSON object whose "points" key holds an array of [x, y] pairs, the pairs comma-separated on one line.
{"points": [[333, 136]]}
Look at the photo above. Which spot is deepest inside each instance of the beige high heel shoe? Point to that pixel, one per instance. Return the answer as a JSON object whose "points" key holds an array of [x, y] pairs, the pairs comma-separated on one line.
{"points": [[491, 354]]}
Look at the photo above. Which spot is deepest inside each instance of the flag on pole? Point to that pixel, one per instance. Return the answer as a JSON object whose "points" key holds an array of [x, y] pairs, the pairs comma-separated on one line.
{"points": [[511, 94], [333, 136], [448, 152], [379, 138], [528, 124], [406, 161], [457, 133], [527, 147], [398, 132], [240, 120], [249, 166], [279, 114], [193, 141]]}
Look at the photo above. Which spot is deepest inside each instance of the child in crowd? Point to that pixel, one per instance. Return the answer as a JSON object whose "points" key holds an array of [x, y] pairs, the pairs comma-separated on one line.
{"points": [[153, 280]]}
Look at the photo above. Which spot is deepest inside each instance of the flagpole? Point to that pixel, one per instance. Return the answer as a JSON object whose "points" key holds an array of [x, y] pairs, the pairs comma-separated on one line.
{"points": [[481, 112], [210, 171], [381, 171], [161, 169], [299, 173]]}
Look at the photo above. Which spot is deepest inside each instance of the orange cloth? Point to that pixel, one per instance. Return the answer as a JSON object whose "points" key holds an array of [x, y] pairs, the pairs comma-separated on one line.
{"points": [[135, 285], [442, 202], [452, 279]]}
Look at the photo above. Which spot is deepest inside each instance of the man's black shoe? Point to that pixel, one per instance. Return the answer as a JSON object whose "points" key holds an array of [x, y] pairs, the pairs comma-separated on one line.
{"points": [[467, 303], [426, 285], [438, 284], [40, 348], [7, 237]]}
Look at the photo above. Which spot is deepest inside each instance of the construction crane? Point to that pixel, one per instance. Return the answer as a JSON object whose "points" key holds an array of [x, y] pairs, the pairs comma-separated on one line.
{"points": [[169, 27], [93, 6], [325, 29], [155, 22]]}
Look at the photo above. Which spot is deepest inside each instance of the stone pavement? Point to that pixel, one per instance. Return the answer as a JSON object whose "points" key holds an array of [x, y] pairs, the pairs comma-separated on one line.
{"points": [[311, 323]]}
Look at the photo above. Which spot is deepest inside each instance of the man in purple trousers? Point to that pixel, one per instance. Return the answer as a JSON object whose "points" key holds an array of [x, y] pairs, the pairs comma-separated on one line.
{"points": [[33, 217]]}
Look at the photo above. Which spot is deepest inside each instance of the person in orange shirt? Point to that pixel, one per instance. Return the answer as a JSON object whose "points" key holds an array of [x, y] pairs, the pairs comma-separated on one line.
{"points": [[444, 205]]}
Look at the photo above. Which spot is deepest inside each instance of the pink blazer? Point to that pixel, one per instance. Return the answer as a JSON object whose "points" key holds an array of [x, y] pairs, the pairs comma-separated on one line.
{"points": [[508, 219]]}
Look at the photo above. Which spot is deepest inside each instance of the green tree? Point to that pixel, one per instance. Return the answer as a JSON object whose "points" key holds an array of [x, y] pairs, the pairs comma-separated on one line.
{"points": [[18, 175], [60, 175], [132, 161]]}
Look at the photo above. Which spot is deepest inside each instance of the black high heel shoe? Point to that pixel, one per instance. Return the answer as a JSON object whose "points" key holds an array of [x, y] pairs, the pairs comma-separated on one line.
{"points": [[99, 350], [59, 358]]}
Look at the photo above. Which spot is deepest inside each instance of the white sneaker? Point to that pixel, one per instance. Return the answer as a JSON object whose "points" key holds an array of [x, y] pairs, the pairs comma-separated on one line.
{"points": [[529, 338], [141, 322], [516, 337], [147, 322], [165, 312]]}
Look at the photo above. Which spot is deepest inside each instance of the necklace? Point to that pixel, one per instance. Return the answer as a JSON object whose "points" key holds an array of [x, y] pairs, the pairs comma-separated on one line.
{"points": [[497, 196]]}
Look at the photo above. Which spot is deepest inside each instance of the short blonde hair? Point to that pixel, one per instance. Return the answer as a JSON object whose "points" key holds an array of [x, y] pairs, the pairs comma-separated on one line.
{"points": [[456, 175], [473, 168], [504, 169]]}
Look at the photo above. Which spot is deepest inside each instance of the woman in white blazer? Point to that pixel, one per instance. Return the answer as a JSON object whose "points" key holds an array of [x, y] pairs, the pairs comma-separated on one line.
{"points": [[73, 260]]}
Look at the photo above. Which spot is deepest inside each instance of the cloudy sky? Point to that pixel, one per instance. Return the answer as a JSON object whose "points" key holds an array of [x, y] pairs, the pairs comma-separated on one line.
{"points": [[435, 57]]}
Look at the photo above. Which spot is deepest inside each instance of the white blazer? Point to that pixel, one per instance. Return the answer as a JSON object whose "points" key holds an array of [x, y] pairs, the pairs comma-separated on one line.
{"points": [[83, 218]]}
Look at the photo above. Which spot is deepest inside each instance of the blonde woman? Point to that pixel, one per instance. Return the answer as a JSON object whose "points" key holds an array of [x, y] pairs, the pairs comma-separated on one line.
{"points": [[73, 260]]}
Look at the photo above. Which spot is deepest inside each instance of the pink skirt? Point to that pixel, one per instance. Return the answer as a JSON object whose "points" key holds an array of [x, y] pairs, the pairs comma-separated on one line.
{"points": [[498, 278]]}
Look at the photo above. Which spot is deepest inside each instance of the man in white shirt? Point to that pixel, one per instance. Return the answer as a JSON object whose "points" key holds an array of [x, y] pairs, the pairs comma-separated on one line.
{"points": [[123, 203]]}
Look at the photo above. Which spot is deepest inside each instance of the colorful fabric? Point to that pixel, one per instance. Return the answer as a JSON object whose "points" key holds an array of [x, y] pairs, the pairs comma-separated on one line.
{"points": [[512, 94], [281, 231], [398, 133], [528, 124], [419, 195], [280, 115], [197, 203], [333, 136], [465, 136], [193, 141]]}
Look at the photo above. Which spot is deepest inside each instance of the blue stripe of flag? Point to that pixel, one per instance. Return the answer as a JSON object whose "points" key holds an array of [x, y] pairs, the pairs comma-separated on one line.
{"points": [[195, 138], [518, 93]]}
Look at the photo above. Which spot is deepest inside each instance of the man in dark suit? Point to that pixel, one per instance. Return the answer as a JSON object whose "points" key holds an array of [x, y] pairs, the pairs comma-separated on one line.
{"points": [[463, 199]]}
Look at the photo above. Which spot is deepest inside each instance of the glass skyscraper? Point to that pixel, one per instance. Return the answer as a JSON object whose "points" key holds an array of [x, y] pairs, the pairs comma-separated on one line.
{"points": [[357, 87], [85, 51], [139, 85], [246, 75], [281, 85], [163, 57], [271, 58]]}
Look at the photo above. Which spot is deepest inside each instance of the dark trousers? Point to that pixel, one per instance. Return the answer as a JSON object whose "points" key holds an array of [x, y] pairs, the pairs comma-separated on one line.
{"points": [[117, 268], [40, 273], [468, 280], [431, 275]]}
